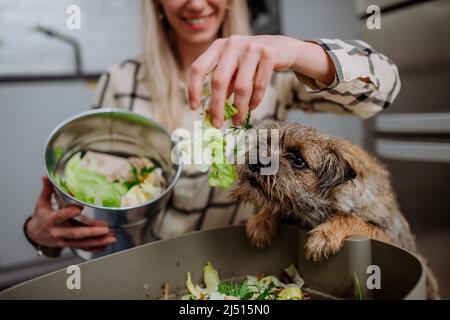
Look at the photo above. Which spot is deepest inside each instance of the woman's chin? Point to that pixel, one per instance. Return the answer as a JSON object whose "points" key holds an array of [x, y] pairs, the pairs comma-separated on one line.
{"points": [[200, 37]]}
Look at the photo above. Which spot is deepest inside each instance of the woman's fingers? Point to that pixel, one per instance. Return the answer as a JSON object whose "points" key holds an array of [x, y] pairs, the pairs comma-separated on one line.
{"points": [[200, 69], [231, 86], [243, 85], [261, 80], [79, 232], [65, 214], [239, 64], [92, 222], [220, 82], [44, 201], [89, 243]]}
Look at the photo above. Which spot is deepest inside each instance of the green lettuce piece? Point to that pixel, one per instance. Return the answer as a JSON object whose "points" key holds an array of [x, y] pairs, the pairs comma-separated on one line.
{"points": [[61, 182], [206, 92], [90, 186], [359, 293], [291, 293], [266, 281], [230, 110], [58, 152], [241, 291], [195, 291], [222, 175], [210, 278], [190, 286], [245, 293], [229, 289], [267, 293]]}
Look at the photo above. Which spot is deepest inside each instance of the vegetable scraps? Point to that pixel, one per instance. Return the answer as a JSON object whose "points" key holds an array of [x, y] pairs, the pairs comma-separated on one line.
{"points": [[265, 288], [107, 185], [222, 174], [359, 293], [90, 186]]}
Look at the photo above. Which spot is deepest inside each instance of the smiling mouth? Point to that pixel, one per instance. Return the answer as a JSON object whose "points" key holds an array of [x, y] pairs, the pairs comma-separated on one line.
{"points": [[197, 20]]}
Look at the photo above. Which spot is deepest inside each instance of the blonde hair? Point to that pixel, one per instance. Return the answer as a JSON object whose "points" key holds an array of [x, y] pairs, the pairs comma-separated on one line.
{"points": [[163, 72]]}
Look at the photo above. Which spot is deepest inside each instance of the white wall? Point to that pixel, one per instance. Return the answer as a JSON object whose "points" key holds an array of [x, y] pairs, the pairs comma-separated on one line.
{"points": [[313, 19], [28, 113], [30, 110]]}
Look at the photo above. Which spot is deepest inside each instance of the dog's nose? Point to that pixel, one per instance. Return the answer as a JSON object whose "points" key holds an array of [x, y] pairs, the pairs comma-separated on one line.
{"points": [[253, 168], [256, 168]]}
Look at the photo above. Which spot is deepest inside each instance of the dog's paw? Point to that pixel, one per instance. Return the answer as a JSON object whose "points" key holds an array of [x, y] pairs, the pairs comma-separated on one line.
{"points": [[261, 229], [321, 245]]}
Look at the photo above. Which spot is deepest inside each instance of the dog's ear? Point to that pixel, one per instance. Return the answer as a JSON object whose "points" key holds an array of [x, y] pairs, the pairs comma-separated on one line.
{"points": [[337, 166]]}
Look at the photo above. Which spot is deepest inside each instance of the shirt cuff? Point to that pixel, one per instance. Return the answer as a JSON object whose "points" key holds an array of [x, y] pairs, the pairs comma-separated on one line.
{"points": [[314, 86], [349, 69]]}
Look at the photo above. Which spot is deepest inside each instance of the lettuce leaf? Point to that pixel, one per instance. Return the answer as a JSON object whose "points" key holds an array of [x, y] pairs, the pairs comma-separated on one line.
{"points": [[291, 293], [230, 110], [210, 277], [90, 186], [58, 152], [222, 175]]}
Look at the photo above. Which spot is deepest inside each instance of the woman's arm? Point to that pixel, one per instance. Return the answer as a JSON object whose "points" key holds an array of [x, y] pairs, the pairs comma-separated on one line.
{"points": [[365, 81], [349, 75], [312, 61]]}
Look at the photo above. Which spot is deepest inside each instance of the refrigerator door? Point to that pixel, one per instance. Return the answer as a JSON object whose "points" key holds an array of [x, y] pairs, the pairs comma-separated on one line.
{"points": [[420, 173], [429, 123], [412, 136]]}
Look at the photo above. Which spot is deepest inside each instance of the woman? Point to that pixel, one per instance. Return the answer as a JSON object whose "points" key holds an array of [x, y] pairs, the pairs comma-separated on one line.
{"points": [[189, 41]]}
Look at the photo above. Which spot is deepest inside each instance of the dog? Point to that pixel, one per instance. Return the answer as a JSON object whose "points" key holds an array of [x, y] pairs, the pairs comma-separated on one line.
{"points": [[329, 186]]}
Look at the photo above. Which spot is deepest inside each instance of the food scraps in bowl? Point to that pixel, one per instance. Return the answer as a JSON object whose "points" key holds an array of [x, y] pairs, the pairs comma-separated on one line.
{"points": [[111, 181], [290, 286], [253, 288]]}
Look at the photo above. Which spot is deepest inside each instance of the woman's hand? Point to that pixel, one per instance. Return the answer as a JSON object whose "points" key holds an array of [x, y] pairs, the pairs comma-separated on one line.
{"points": [[51, 228], [243, 65]]}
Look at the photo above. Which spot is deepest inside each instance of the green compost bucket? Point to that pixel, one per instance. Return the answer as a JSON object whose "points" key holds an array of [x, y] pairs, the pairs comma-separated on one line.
{"points": [[139, 273]]}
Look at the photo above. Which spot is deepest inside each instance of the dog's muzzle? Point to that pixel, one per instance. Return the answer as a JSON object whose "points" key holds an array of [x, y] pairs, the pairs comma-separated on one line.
{"points": [[256, 168]]}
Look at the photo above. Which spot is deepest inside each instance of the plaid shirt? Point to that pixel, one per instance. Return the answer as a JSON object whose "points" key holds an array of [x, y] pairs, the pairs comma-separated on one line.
{"points": [[193, 204]]}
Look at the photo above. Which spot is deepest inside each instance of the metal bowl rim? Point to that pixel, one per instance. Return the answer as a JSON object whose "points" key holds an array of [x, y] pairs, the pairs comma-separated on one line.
{"points": [[110, 111]]}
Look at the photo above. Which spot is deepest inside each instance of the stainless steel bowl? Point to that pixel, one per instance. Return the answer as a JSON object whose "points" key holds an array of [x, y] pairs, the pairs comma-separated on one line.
{"points": [[118, 132]]}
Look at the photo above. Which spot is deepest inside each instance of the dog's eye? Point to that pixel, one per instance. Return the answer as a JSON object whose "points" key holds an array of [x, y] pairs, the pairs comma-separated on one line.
{"points": [[296, 160], [298, 163]]}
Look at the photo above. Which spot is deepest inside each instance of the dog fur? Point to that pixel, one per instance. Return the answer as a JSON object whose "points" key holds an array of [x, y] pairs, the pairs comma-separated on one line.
{"points": [[329, 186]]}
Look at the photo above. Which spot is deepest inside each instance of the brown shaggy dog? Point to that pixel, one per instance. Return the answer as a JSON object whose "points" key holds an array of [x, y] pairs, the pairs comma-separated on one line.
{"points": [[331, 187]]}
